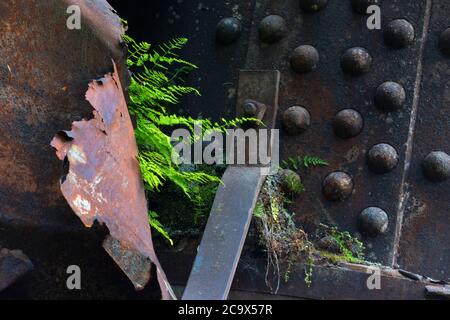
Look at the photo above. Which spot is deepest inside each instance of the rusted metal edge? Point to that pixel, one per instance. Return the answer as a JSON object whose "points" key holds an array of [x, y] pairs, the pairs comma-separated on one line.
{"points": [[329, 282], [104, 183], [13, 266]]}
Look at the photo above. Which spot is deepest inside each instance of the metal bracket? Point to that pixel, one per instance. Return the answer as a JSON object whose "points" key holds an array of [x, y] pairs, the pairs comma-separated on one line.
{"points": [[224, 237]]}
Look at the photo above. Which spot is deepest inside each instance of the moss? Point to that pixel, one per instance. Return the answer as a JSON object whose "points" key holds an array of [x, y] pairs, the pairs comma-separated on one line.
{"points": [[286, 244]]}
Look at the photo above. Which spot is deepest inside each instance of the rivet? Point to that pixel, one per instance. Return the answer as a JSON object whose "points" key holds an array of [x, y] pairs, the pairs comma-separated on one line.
{"points": [[444, 41], [250, 109], [356, 61], [373, 221], [296, 120], [338, 186], [399, 34], [361, 6], [348, 123], [436, 166], [382, 158], [228, 30], [330, 244], [390, 96], [289, 181], [272, 29], [313, 5], [304, 59]]}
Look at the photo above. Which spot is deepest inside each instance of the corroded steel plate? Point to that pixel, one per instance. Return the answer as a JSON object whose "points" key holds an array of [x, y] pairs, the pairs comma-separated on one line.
{"points": [[399, 119]]}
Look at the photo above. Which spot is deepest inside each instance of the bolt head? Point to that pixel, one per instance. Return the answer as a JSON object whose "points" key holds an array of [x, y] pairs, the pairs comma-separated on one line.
{"points": [[290, 179], [390, 96], [273, 28], [329, 244], [348, 123], [296, 120], [436, 166], [305, 59], [382, 158], [356, 61], [228, 30], [250, 109], [399, 34], [313, 5], [360, 6], [373, 221], [338, 186], [444, 41]]}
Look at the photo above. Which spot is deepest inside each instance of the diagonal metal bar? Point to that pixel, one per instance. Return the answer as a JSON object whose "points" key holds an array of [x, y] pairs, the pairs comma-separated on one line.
{"points": [[220, 250]]}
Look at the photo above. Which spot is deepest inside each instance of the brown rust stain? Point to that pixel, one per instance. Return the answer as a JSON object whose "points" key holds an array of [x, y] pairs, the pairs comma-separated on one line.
{"points": [[104, 183]]}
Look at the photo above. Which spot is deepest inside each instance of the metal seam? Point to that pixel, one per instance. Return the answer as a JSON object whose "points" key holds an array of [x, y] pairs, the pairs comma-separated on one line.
{"points": [[410, 142]]}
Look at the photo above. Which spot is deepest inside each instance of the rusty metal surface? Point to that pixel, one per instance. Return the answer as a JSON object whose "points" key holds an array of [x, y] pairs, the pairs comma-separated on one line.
{"points": [[44, 71], [13, 266], [104, 183], [43, 74], [424, 241], [329, 282], [328, 89]]}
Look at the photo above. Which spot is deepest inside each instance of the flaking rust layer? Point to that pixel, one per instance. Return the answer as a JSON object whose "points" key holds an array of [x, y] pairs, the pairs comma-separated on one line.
{"points": [[104, 182]]}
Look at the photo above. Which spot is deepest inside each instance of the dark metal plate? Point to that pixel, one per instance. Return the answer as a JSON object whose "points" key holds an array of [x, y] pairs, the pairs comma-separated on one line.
{"points": [[425, 240], [327, 90]]}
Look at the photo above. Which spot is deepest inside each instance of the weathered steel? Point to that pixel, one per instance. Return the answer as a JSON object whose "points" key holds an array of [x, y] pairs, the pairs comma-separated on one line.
{"points": [[104, 183], [329, 282], [43, 75], [44, 72], [13, 266], [424, 239], [225, 234], [353, 62]]}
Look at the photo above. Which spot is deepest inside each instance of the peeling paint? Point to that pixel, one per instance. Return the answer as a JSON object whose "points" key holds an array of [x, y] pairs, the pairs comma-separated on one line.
{"points": [[104, 183]]}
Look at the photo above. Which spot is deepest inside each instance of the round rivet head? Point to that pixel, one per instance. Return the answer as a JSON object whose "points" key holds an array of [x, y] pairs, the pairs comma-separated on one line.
{"points": [[348, 123], [361, 6], [291, 182], [338, 186], [399, 34], [273, 28], [390, 96], [304, 59], [356, 61], [296, 120], [436, 166], [373, 221], [313, 5], [250, 109], [444, 41], [382, 158], [228, 30]]}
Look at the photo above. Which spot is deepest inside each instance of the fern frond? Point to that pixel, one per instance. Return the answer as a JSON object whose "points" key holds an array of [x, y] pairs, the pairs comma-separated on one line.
{"points": [[155, 87]]}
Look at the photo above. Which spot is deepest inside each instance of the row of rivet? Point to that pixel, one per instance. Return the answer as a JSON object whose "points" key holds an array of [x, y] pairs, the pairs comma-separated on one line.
{"points": [[381, 158], [372, 221], [390, 96], [398, 34]]}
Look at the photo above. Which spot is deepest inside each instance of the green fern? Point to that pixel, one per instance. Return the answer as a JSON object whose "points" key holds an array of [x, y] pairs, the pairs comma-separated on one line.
{"points": [[156, 85], [309, 161], [155, 224], [298, 163]]}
